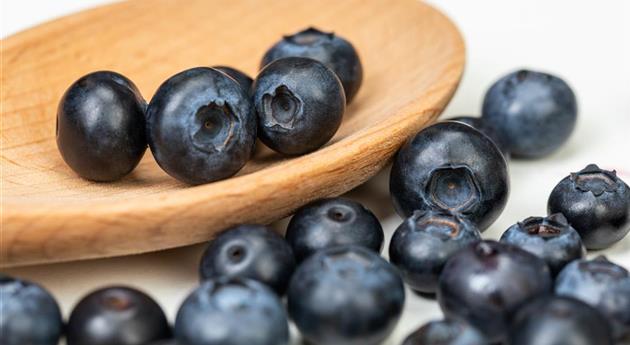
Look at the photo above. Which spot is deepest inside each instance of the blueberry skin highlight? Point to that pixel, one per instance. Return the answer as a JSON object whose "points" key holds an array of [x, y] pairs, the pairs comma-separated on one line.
{"points": [[484, 283], [597, 204], [333, 51], [481, 125], [423, 243], [557, 320], [30, 314], [300, 104], [603, 285], [332, 222], [535, 112], [550, 238], [101, 126], [241, 78], [228, 311], [116, 316], [201, 126], [445, 332], [453, 166], [250, 251], [345, 295]]}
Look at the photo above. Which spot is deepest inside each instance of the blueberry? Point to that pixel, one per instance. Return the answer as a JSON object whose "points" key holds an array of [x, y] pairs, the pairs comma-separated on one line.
{"points": [[555, 320], [250, 251], [424, 242], [331, 222], [101, 126], [597, 204], [484, 283], [201, 126], [300, 105], [346, 295], [481, 125], [333, 51], [602, 284], [445, 332], [227, 311], [116, 316], [450, 165], [241, 78], [550, 238], [28, 314], [535, 112]]}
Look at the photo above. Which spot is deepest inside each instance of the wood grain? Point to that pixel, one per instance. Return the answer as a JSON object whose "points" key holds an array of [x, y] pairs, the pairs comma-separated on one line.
{"points": [[413, 58]]}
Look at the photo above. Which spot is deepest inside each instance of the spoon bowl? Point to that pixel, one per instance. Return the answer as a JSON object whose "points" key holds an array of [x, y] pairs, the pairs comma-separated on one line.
{"points": [[413, 58]]}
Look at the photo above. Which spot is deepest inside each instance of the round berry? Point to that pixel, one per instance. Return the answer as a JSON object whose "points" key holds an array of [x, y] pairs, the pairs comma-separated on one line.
{"points": [[228, 311], [481, 125], [332, 222], [241, 78], [550, 238], [250, 251], [556, 320], [484, 283], [424, 242], [345, 296], [116, 316], [300, 105], [601, 284], [445, 332], [333, 51], [534, 112], [201, 126], [28, 314], [453, 166], [101, 126], [596, 203]]}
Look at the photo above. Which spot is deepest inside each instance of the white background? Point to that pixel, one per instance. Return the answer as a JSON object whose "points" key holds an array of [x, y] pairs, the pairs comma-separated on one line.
{"points": [[585, 42]]}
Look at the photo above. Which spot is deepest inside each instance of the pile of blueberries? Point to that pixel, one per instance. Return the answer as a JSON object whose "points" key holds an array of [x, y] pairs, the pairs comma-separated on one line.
{"points": [[202, 123], [449, 181]]}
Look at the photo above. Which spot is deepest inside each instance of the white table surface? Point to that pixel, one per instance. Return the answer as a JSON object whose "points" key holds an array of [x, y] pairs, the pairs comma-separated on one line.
{"points": [[585, 42]]}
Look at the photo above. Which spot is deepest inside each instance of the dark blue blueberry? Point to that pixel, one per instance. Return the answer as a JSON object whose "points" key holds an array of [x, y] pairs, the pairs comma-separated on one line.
{"points": [[116, 316], [450, 165], [250, 251], [445, 332], [602, 284], [550, 238], [28, 314], [555, 320], [480, 125], [424, 242], [228, 311], [101, 126], [300, 105], [332, 222], [346, 295], [596, 203], [333, 51], [201, 126], [241, 78], [534, 112], [484, 283]]}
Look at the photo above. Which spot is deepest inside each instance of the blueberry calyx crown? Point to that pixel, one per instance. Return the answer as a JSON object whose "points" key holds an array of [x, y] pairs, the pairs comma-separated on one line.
{"points": [[441, 223], [340, 213], [545, 227], [215, 126], [602, 267], [309, 36], [595, 180], [116, 301], [281, 108], [453, 187]]}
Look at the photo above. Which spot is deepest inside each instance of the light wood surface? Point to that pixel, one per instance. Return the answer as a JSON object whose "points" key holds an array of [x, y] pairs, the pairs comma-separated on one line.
{"points": [[413, 58]]}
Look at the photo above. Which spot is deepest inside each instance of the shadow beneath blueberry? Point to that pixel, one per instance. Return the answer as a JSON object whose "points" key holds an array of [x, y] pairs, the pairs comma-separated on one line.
{"points": [[432, 296]]}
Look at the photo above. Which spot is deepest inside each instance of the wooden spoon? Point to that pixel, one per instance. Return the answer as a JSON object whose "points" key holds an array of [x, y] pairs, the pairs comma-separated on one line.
{"points": [[413, 58]]}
